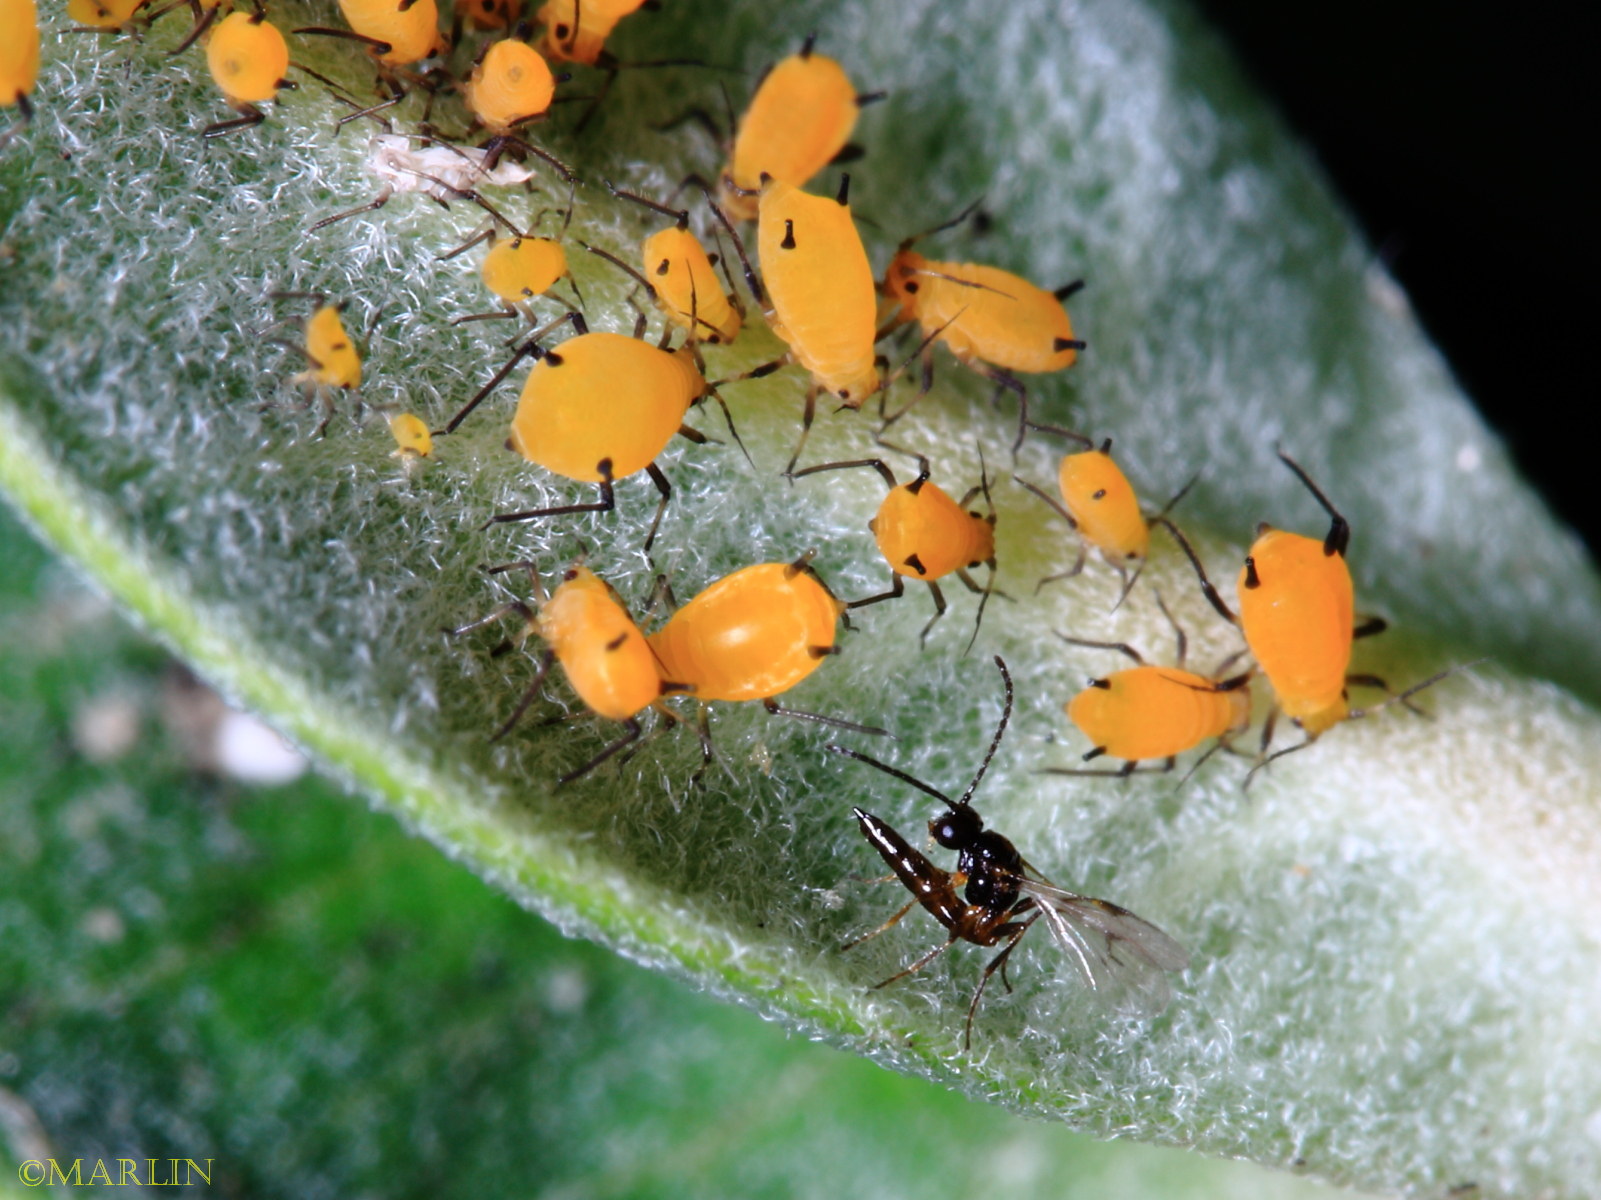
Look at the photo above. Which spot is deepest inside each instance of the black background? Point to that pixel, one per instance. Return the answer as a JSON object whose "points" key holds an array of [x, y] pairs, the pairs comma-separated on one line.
{"points": [[1454, 133]]}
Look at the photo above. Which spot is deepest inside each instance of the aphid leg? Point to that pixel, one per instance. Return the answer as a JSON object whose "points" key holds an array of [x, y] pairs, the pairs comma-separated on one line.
{"points": [[808, 415], [1401, 698], [252, 116], [1062, 512], [877, 464], [1121, 647], [606, 503], [396, 95], [983, 593], [1129, 767], [513, 607], [939, 611], [778, 710], [631, 732], [1005, 381], [728, 419], [703, 731], [666, 490], [897, 588], [195, 34], [528, 696], [1178, 632], [372, 205]]}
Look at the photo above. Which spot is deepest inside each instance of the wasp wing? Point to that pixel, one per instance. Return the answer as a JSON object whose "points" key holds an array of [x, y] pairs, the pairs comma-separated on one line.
{"points": [[1121, 957]]}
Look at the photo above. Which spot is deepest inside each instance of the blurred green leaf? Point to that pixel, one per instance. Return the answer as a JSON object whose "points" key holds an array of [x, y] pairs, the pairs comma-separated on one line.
{"points": [[1393, 980]]}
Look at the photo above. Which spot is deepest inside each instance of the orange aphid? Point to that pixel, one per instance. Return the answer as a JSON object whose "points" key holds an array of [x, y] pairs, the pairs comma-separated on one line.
{"points": [[509, 86], [800, 117], [103, 14], [751, 635], [923, 534], [576, 30], [248, 59], [19, 58], [409, 28], [602, 652]]}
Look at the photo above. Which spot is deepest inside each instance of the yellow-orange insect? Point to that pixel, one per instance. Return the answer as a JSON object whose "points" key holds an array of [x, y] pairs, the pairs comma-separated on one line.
{"points": [[1297, 612], [680, 276], [108, 15], [993, 321], [923, 534], [1099, 502], [576, 30], [820, 296], [248, 59], [413, 441], [19, 60], [800, 118], [510, 85], [754, 635], [599, 408], [587, 629], [1150, 713], [333, 364]]}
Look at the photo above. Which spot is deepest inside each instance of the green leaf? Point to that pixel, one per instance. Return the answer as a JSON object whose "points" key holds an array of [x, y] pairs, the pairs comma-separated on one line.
{"points": [[292, 993], [1392, 982]]}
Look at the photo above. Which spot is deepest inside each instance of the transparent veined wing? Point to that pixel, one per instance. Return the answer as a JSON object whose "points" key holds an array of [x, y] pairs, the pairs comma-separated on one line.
{"points": [[1121, 957]]}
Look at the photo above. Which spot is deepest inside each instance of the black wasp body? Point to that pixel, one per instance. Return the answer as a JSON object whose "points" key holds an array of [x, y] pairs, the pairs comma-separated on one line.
{"points": [[994, 897]]}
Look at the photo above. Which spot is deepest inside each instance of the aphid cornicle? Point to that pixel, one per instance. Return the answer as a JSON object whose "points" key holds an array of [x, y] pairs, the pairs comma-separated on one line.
{"points": [[820, 296], [576, 30], [800, 118], [248, 59], [994, 322], [19, 60], [1099, 502], [1150, 713], [1121, 958], [923, 534], [587, 629]]}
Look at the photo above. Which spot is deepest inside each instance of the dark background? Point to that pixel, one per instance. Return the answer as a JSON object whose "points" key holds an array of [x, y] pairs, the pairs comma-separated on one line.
{"points": [[1453, 131]]}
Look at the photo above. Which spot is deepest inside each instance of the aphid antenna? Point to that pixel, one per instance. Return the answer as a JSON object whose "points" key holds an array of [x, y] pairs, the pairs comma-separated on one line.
{"points": [[739, 247], [680, 216], [1207, 588], [751, 280], [1087, 442], [529, 349], [951, 223]]}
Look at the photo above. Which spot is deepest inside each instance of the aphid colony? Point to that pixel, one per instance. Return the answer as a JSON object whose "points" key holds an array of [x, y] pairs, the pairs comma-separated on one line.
{"points": [[599, 408]]}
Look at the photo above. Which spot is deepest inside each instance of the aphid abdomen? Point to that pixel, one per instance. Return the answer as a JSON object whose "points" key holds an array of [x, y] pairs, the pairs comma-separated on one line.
{"points": [[1298, 621], [599, 397], [751, 635], [601, 650]]}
